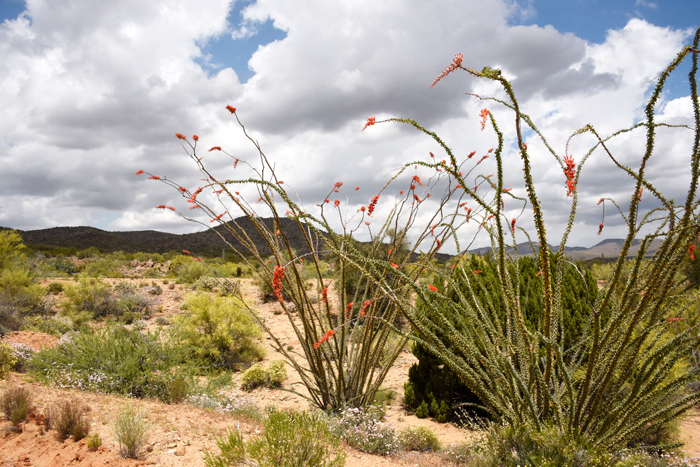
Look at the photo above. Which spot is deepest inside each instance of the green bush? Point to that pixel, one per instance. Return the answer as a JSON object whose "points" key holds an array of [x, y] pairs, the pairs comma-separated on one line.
{"points": [[434, 389], [92, 297], [130, 430], [15, 403], [68, 418], [8, 359], [103, 268], [219, 331], [63, 265], [257, 375], [20, 297], [419, 438], [111, 360], [190, 272], [55, 287], [94, 442], [289, 439], [54, 325]]}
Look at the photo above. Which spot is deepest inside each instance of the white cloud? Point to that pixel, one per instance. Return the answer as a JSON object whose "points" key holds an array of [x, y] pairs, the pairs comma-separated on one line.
{"points": [[94, 91]]}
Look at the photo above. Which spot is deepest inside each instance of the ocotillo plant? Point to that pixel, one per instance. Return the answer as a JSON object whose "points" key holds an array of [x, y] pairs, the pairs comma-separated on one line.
{"points": [[618, 382]]}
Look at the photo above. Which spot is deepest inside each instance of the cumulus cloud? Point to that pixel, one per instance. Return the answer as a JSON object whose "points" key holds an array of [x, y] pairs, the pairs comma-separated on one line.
{"points": [[94, 91]]}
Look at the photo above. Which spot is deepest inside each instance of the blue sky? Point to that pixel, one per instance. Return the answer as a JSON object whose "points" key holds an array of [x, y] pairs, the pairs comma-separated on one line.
{"points": [[94, 91]]}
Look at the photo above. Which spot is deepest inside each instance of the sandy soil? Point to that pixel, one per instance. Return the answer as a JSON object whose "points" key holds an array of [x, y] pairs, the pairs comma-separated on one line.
{"points": [[179, 434]]}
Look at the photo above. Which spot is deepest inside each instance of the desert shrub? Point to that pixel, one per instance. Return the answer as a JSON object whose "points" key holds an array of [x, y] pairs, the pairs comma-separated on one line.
{"points": [[433, 389], [111, 360], [130, 430], [103, 268], [205, 284], [363, 430], [56, 325], [15, 403], [23, 355], [219, 330], [20, 297], [94, 442], [92, 297], [419, 438], [190, 272], [257, 375], [125, 288], [63, 265], [289, 439], [232, 450], [55, 287], [69, 419], [177, 389], [8, 359]]}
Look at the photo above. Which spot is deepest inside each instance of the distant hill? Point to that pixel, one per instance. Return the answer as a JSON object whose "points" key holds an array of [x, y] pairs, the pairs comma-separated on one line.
{"points": [[208, 242], [609, 248]]}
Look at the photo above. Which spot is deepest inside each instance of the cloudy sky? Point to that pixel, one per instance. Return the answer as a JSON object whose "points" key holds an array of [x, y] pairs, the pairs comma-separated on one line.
{"points": [[93, 91]]}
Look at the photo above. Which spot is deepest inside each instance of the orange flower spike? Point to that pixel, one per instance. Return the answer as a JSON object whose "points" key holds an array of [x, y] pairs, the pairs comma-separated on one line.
{"points": [[161, 206], [471, 154], [336, 203], [324, 294], [186, 252], [195, 137], [215, 148], [180, 136], [365, 306], [231, 109], [478, 271], [370, 122], [432, 287], [600, 201], [154, 177], [281, 182], [671, 320], [570, 172], [691, 251], [389, 252], [338, 184], [395, 266], [348, 308], [456, 62], [139, 172], [484, 114], [417, 198], [512, 225], [372, 205], [600, 227], [277, 282], [416, 179]]}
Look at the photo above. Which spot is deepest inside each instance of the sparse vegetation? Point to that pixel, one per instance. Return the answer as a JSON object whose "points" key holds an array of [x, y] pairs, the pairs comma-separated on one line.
{"points": [[69, 419], [257, 375], [15, 403], [130, 430]]}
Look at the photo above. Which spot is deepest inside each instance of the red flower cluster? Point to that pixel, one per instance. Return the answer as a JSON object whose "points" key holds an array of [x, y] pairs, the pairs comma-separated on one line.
{"points": [[154, 177], [416, 179], [570, 172], [365, 306], [370, 121], [348, 308], [324, 294], [231, 109], [478, 271], [417, 198], [277, 282], [512, 225], [600, 227], [338, 184], [336, 203], [186, 252], [471, 154], [139, 172], [218, 148], [456, 62], [372, 204], [671, 320], [432, 287], [218, 217], [691, 251], [326, 336], [180, 136], [193, 198], [484, 114], [195, 137]]}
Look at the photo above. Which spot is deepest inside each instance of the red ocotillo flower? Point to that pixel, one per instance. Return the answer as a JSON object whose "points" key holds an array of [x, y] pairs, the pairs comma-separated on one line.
{"points": [[456, 62], [432, 287], [186, 252], [372, 205], [416, 179], [570, 172], [416, 198], [600, 227], [691, 251], [195, 137], [154, 177], [139, 172], [336, 203], [231, 109], [478, 271], [484, 114], [180, 136], [215, 148], [365, 306], [324, 294], [337, 184], [512, 225], [161, 206], [370, 121], [218, 217], [277, 282], [348, 308], [671, 320]]}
